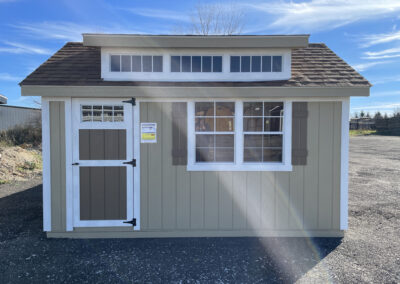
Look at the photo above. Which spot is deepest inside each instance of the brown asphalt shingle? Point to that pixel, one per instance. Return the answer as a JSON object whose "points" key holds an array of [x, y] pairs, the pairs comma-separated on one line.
{"points": [[78, 65]]}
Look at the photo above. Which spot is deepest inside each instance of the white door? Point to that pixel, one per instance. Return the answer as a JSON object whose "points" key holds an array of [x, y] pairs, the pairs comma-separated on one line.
{"points": [[102, 160]]}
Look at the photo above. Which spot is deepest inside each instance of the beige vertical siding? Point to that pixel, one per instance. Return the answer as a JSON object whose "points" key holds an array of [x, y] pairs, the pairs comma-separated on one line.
{"points": [[57, 165], [307, 198]]}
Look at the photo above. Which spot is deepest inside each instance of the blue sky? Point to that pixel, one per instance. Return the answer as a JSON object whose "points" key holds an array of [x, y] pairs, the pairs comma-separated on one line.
{"points": [[365, 33]]}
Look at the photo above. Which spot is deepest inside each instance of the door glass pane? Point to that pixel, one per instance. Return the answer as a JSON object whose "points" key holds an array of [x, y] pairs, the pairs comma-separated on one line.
{"points": [[253, 109], [186, 64], [206, 67], [136, 63], [126, 63], [175, 64], [245, 64], [217, 63], [118, 113], [147, 63], [266, 63], [204, 124], [253, 124], [108, 113], [86, 113], [97, 113], [196, 63], [115, 63], [235, 63], [157, 64]]}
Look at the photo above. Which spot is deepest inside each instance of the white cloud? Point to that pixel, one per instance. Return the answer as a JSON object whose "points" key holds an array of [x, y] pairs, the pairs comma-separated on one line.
{"points": [[161, 14], [374, 39], [19, 48], [365, 66], [66, 31], [8, 77], [317, 15]]}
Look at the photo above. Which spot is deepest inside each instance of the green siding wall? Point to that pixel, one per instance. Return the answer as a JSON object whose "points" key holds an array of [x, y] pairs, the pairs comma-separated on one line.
{"points": [[308, 198], [57, 165]]}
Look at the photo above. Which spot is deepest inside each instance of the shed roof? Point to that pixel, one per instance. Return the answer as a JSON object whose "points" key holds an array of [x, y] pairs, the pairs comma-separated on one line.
{"points": [[78, 65]]}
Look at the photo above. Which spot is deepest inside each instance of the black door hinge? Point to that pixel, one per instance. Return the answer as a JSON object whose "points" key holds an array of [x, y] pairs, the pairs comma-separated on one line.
{"points": [[75, 164], [132, 163], [133, 222], [131, 101]]}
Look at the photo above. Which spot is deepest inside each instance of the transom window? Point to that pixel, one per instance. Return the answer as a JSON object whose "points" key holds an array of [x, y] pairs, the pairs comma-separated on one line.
{"points": [[136, 63], [102, 113], [263, 131], [239, 136], [196, 63], [256, 63], [214, 128]]}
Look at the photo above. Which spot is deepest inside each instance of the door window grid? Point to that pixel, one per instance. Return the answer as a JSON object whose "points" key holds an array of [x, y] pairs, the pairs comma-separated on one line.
{"points": [[215, 131], [263, 131], [102, 113]]}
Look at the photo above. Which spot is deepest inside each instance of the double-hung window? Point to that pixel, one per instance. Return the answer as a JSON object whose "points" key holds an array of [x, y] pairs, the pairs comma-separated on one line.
{"points": [[239, 135]]}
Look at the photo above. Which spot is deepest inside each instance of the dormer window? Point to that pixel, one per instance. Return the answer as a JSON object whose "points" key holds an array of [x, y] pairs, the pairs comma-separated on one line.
{"points": [[136, 63], [256, 63]]}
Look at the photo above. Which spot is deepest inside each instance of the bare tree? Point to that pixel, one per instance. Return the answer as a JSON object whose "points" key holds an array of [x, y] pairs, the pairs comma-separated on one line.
{"points": [[217, 19]]}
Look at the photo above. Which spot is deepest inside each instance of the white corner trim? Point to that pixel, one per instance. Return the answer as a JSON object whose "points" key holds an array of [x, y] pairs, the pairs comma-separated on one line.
{"points": [[344, 167], [136, 170], [46, 192], [68, 166]]}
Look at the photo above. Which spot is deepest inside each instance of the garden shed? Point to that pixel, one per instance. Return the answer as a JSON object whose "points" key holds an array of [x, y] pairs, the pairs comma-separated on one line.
{"points": [[195, 136]]}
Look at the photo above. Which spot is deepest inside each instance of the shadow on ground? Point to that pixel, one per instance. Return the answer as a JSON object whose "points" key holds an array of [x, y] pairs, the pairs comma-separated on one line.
{"points": [[26, 255]]}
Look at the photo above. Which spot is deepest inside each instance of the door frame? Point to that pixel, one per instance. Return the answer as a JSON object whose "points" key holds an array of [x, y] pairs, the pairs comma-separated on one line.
{"points": [[133, 197]]}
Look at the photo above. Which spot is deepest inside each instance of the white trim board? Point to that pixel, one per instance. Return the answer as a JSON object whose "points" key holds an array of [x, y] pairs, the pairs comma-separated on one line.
{"points": [[344, 167], [46, 187]]}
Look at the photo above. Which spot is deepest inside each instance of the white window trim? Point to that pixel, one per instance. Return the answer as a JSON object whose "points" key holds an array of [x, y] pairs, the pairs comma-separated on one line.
{"points": [[239, 165]]}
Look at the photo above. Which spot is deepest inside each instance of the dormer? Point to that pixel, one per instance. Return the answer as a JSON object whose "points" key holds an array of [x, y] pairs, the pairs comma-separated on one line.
{"points": [[195, 58]]}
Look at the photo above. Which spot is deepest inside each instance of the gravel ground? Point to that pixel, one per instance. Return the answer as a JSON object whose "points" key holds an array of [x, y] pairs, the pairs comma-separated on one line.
{"points": [[369, 252]]}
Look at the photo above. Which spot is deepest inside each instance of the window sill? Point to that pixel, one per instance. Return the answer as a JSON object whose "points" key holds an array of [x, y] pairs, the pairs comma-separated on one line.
{"points": [[241, 168]]}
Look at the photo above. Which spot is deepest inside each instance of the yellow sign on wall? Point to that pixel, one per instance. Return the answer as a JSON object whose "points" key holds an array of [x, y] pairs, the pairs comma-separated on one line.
{"points": [[148, 132]]}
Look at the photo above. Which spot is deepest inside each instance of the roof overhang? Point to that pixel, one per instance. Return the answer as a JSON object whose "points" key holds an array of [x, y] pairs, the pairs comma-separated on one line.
{"points": [[192, 92], [3, 100], [195, 41]]}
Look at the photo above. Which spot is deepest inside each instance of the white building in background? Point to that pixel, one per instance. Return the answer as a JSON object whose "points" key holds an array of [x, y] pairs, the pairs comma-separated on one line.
{"points": [[11, 116]]}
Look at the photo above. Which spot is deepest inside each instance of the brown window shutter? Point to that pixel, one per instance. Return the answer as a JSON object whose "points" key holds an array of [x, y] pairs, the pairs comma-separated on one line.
{"points": [[299, 133], [179, 134]]}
